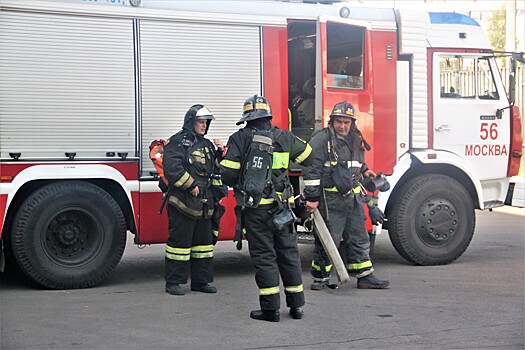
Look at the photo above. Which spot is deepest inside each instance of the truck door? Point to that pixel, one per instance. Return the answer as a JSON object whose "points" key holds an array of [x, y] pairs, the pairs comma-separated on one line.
{"points": [[467, 92], [326, 64], [341, 66], [356, 62]]}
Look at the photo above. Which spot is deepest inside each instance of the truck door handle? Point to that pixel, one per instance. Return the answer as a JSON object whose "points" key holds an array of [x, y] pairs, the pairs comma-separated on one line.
{"points": [[442, 128]]}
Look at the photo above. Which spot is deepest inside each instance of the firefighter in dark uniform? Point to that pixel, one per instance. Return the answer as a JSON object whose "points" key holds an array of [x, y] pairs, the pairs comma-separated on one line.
{"points": [[190, 162], [335, 182], [273, 251]]}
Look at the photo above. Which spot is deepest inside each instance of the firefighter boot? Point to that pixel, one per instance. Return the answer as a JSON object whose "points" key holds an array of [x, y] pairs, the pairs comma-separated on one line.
{"points": [[174, 289], [296, 313], [318, 285], [266, 315], [205, 288], [372, 282]]}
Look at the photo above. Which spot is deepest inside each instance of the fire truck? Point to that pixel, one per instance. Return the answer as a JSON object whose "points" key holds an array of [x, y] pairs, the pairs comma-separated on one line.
{"points": [[86, 85]]}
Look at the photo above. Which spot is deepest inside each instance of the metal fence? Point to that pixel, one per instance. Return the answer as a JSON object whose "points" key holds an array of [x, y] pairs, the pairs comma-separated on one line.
{"points": [[463, 84]]}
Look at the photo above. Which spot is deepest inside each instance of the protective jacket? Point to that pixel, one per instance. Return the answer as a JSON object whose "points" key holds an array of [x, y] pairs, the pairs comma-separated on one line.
{"points": [[343, 212], [274, 251], [332, 154], [190, 161]]}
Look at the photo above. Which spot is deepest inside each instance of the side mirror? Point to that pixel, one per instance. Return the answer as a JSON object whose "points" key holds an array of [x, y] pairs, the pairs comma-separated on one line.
{"points": [[518, 56], [512, 87]]}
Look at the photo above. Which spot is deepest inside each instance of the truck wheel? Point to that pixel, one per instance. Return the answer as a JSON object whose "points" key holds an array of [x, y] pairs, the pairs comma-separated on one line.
{"points": [[68, 234], [432, 221]]}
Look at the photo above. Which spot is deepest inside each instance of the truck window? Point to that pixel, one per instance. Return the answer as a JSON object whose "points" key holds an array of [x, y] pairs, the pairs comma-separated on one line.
{"points": [[467, 77], [486, 85], [345, 45], [457, 77], [301, 77]]}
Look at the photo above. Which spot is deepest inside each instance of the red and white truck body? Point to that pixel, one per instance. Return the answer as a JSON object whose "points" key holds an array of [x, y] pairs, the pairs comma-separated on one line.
{"points": [[86, 85]]}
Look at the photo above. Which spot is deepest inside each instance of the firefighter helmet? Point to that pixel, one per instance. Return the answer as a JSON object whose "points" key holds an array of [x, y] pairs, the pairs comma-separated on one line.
{"points": [[201, 112], [197, 112], [343, 109], [255, 107]]}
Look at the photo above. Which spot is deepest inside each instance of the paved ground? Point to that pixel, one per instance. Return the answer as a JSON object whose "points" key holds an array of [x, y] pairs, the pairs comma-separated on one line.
{"points": [[476, 302]]}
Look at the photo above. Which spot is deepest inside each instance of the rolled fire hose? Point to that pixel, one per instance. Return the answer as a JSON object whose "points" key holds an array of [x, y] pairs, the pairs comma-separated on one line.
{"points": [[330, 247]]}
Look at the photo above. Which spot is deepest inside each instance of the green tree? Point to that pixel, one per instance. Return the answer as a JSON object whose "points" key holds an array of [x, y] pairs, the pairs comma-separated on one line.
{"points": [[497, 29]]}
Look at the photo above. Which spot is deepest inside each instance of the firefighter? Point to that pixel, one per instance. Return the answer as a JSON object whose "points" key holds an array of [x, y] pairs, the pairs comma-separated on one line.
{"points": [[191, 167], [272, 241], [335, 182]]}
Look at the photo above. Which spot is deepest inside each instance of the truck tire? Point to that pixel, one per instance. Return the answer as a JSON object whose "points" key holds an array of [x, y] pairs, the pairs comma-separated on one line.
{"points": [[68, 234], [432, 220]]}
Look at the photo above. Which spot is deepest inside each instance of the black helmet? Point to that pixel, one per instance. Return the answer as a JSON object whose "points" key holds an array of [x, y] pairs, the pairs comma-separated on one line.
{"points": [[343, 109], [255, 107], [197, 112]]}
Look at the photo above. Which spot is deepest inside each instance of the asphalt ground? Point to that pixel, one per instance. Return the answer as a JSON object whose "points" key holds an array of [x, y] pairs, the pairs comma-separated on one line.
{"points": [[476, 302]]}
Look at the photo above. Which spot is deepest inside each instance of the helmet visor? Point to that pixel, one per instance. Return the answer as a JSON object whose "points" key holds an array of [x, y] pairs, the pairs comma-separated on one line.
{"points": [[204, 113]]}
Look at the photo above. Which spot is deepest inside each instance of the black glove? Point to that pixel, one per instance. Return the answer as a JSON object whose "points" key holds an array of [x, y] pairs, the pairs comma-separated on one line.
{"points": [[376, 215], [215, 236]]}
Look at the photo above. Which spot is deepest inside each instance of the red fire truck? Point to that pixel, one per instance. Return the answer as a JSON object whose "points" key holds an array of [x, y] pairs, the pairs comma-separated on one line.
{"points": [[86, 85]]}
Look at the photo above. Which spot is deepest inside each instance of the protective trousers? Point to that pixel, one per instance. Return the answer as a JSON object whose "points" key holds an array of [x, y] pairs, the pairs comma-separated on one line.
{"points": [[190, 244], [273, 252], [348, 230]]}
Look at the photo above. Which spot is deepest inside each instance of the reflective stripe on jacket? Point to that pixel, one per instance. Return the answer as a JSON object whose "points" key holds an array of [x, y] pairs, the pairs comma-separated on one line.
{"points": [[348, 150], [189, 161]]}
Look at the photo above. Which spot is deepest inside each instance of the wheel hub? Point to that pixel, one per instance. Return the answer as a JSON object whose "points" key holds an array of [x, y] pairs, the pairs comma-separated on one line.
{"points": [[67, 233], [69, 237], [437, 221]]}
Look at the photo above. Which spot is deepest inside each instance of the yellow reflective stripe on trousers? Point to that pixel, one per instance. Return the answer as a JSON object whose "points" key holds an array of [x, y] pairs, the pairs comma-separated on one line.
{"points": [[179, 254], [230, 164], [293, 289], [307, 151], [269, 291], [202, 251], [281, 160], [359, 266], [318, 268], [202, 248]]}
